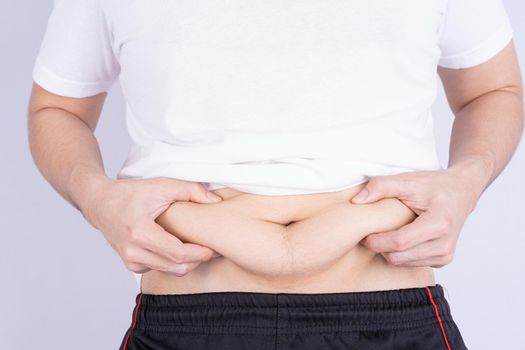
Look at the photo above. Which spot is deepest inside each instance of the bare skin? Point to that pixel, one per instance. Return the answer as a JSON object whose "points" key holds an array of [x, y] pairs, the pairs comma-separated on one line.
{"points": [[487, 102], [142, 218], [299, 243]]}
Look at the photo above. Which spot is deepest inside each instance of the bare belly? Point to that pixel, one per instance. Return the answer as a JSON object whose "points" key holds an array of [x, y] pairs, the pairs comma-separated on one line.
{"points": [[316, 217]]}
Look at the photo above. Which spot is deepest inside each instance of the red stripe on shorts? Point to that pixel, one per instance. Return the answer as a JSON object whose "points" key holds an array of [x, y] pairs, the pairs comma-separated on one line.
{"points": [[438, 317], [134, 322]]}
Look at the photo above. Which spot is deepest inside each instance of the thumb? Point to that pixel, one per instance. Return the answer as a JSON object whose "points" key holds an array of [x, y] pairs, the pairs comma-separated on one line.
{"points": [[379, 187], [362, 196], [191, 191], [202, 195]]}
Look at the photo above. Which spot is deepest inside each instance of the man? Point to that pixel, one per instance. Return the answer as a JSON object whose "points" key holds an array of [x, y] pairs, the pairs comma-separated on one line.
{"points": [[167, 57]]}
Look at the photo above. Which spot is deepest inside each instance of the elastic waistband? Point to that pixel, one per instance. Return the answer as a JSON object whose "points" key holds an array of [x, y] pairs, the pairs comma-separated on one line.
{"points": [[263, 313]]}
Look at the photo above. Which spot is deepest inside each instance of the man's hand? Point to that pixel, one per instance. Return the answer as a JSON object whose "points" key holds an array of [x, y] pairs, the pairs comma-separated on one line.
{"points": [[125, 210], [442, 199]]}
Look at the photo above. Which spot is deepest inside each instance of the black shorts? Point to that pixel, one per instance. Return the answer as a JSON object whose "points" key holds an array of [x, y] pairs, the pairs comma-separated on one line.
{"points": [[412, 318]]}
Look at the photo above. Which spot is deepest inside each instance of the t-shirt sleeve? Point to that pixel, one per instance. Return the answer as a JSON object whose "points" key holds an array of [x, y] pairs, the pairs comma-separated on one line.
{"points": [[472, 32], [76, 57]]}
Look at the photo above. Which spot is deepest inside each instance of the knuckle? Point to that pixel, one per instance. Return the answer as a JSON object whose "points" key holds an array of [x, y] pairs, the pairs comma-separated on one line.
{"points": [[395, 259], [370, 243], [161, 267], [401, 243], [443, 227], [133, 267], [447, 248], [128, 227], [444, 260], [179, 256], [128, 254], [134, 235], [447, 259], [181, 269]]}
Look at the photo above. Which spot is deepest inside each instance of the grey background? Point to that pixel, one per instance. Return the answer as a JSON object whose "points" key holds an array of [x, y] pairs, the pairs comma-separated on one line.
{"points": [[63, 287]]}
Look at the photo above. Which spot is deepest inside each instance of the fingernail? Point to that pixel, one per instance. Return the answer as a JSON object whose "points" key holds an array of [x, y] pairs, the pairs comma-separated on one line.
{"points": [[361, 196], [213, 197]]}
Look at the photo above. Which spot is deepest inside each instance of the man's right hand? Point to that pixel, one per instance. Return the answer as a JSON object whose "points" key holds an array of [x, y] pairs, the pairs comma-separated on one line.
{"points": [[125, 210]]}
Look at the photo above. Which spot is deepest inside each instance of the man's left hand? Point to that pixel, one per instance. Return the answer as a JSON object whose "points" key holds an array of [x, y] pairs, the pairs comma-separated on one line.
{"points": [[442, 199]]}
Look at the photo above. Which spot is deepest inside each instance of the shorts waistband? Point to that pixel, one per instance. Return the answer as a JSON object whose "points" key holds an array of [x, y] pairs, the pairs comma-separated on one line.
{"points": [[263, 313]]}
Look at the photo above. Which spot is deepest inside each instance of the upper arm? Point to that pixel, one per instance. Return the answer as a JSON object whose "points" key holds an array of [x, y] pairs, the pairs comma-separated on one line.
{"points": [[464, 85], [87, 109], [76, 63], [477, 51]]}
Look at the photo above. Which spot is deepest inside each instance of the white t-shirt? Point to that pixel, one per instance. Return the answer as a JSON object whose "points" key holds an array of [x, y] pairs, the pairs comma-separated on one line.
{"points": [[265, 96]]}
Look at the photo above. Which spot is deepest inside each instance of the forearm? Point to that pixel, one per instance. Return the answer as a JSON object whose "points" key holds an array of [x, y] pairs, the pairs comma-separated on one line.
{"points": [[485, 134], [66, 152]]}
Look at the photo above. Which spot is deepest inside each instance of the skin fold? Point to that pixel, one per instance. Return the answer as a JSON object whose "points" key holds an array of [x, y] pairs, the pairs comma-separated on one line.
{"points": [[288, 243], [487, 103]]}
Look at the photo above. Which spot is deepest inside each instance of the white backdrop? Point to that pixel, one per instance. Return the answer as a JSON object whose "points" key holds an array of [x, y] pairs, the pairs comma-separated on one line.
{"points": [[63, 287]]}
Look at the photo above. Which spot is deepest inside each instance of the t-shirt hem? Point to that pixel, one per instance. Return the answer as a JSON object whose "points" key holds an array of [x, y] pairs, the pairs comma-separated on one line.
{"points": [[56, 84], [272, 191], [481, 53]]}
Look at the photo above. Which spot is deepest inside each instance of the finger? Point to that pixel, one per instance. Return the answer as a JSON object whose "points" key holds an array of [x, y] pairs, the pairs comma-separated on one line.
{"points": [[434, 261], [164, 243], [428, 250], [137, 268], [424, 228], [157, 262], [187, 191], [383, 186]]}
